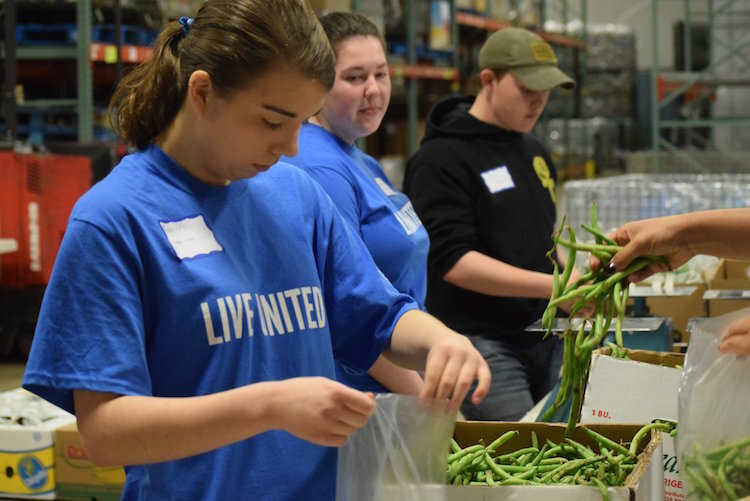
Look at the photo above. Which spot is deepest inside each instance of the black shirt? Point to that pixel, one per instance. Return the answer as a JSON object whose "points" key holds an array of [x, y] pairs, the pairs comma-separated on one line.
{"points": [[479, 187]]}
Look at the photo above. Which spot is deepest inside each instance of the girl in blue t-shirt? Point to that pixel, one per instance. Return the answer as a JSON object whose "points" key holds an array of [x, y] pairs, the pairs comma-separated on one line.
{"points": [[202, 292], [380, 214]]}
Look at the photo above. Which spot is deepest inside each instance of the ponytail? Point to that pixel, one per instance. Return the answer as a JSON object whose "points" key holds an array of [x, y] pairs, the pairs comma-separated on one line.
{"points": [[147, 99]]}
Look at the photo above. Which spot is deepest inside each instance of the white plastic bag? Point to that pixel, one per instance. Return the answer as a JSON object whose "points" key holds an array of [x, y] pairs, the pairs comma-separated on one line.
{"points": [[714, 414], [402, 449]]}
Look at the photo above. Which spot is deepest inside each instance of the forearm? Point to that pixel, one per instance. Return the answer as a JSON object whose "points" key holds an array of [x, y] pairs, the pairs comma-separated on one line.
{"points": [[412, 337], [480, 273], [450, 361], [722, 233], [141, 429], [396, 378]]}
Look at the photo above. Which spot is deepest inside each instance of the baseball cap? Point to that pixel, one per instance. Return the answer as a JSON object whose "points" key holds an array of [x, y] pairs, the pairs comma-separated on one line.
{"points": [[527, 56]]}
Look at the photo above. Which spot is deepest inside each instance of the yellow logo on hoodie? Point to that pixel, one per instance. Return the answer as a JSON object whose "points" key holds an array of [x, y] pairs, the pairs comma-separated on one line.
{"points": [[542, 171]]}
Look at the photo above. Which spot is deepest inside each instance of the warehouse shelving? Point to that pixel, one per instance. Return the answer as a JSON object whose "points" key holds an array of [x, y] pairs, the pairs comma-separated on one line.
{"points": [[83, 104], [486, 23], [412, 111], [726, 23], [459, 20], [90, 58]]}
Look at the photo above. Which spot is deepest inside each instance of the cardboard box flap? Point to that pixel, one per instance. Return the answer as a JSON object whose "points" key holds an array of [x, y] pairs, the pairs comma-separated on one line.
{"points": [[648, 452], [616, 388], [663, 358]]}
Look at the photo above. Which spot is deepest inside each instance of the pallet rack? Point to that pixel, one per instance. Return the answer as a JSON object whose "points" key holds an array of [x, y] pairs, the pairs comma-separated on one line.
{"points": [[726, 22], [87, 54], [484, 23]]}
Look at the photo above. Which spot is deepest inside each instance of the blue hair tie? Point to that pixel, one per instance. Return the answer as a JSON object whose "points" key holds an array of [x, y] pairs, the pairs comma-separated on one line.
{"points": [[186, 22]]}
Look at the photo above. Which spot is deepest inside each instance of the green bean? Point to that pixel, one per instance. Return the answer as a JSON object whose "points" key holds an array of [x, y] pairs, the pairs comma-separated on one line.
{"points": [[610, 444], [538, 459], [463, 452], [548, 317], [597, 233], [462, 463], [723, 472], [602, 488], [572, 466], [496, 468], [454, 446], [501, 440], [517, 453], [645, 430], [589, 247], [723, 481], [490, 478], [512, 469], [528, 474], [569, 262], [720, 451], [569, 296], [584, 451], [697, 481]]}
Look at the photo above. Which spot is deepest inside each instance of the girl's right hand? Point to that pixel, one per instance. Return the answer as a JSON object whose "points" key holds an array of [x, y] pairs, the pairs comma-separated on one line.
{"points": [[320, 410], [736, 339]]}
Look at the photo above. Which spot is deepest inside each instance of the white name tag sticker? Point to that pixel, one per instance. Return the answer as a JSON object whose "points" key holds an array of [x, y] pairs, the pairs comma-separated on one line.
{"points": [[498, 179], [191, 237]]}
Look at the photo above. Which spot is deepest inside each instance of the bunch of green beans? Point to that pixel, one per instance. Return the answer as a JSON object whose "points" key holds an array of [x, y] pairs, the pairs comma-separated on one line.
{"points": [[722, 473], [609, 293], [568, 462]]}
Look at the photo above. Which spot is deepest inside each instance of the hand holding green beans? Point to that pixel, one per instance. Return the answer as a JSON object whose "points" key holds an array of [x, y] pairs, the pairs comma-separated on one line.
{"points": [[609, 293]]}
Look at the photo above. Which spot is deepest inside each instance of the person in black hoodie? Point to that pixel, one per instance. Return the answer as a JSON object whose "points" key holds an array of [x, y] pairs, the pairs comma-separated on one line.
{"points": [[485, 190]]}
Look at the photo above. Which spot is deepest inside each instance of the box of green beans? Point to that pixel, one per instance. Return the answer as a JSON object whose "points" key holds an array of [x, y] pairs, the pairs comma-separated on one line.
{"points": [[637, 386], [533, 461]]}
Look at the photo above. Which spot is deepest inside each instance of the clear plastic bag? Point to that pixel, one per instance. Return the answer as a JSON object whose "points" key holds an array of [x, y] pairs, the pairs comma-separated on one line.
{"points": [[714, 415], [402, 449]]}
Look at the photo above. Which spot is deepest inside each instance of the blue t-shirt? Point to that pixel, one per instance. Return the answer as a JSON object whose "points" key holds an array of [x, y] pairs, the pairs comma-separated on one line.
{"points": [[383, 216], [166, 286]]}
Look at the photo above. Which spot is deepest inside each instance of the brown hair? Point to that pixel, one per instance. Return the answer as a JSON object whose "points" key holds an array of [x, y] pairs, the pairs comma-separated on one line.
{"points": [[234, 41], [341, 26]]}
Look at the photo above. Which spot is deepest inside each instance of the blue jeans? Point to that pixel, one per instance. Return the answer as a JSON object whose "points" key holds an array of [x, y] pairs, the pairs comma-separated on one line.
{"points": [[522, 374]]}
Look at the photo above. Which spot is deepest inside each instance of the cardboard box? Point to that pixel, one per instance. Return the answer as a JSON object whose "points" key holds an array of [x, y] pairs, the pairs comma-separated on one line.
{"points": [[679, 308], [734, 278], [77, 477], [633, 390], [637, 390], [683, 307], [736, 269], [645, 483], [727, 295], [27, 440]]}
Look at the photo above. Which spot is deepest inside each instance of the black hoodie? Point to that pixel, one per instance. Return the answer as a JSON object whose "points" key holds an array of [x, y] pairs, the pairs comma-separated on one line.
{"points": [[476, 186]]}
